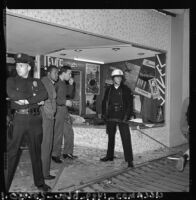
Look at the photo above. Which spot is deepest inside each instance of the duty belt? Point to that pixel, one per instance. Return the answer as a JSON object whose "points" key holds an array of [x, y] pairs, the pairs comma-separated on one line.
{"points": [[31, 111], [116, 107]]}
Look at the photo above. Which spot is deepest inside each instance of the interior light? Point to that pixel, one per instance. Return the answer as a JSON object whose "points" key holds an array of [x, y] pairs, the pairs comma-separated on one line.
{"points": [[115, 49], [87, 60], [78, 50], [140, 54]]}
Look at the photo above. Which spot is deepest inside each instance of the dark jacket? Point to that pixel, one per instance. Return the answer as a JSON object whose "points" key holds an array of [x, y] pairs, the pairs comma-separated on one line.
{"points": [[32, 89], [49, 107], [127, 99], [62, 90]]}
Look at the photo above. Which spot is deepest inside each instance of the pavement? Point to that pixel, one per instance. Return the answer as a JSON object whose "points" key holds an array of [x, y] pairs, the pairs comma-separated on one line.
{"points": [[87, 167]]}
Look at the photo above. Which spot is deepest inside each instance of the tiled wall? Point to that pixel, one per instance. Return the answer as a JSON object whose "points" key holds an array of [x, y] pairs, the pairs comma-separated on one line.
{"points": [[141, 26]]}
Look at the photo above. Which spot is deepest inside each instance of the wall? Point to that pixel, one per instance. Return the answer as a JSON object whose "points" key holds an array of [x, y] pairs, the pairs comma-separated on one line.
{"points": [[185, 74], [178, 79], [144, 27]]}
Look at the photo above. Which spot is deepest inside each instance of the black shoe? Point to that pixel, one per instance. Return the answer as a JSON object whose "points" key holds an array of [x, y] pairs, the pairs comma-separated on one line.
{"points": [[44, 188], [56, 159], [105, 159], [130, 164], [69, 156], [50, 177]]}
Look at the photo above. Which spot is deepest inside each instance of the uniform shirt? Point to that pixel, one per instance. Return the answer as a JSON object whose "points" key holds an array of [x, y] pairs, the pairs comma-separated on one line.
{"points": [[62, 91], [31, 89], [115, 96]]}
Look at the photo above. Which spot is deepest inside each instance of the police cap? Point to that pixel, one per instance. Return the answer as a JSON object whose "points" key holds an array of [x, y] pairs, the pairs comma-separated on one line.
{"points": [[23, 58]]}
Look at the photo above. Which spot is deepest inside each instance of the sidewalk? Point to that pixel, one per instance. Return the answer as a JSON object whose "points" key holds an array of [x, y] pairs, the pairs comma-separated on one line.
{"points": [[87, 167]]}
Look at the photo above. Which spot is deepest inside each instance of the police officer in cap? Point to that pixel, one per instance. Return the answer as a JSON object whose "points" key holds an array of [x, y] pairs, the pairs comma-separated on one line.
{"points": [[117, 108], [26, 94]]}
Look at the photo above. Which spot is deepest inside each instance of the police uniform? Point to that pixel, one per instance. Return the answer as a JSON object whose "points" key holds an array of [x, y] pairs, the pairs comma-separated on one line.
{"points": [[27, 120], [117, 108]]}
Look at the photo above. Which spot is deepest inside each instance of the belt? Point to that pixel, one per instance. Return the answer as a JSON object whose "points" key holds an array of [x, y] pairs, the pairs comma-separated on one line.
{"points": [[116, 108], [31, 111]]}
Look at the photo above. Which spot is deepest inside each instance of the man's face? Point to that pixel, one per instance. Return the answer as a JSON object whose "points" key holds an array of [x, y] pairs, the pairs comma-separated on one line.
{"points": [[23, 69], [67, 75], [54, 74], [117, 80]]}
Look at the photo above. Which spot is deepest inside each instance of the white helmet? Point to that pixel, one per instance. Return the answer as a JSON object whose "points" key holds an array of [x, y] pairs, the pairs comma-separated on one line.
{"points": [[117, 72]]}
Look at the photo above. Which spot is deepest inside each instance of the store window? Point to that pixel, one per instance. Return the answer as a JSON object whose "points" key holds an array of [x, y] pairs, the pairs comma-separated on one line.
{"points": [[146, 79]]}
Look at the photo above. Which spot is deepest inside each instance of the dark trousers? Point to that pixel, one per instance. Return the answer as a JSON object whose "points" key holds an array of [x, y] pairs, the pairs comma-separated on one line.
{"points": [[125, 137], [47, 142], [58, 130], [68, 138], [32, 127]]}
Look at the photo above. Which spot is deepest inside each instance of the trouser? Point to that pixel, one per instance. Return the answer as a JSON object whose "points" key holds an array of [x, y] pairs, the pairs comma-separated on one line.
{"points": [[32, 126], [58, 130], [125, 137], [68, 138], [47, 142]]}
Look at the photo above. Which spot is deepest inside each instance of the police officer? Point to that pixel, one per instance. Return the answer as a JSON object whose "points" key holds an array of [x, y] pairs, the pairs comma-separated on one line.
{"points": [[117, 108], [26, 95]]}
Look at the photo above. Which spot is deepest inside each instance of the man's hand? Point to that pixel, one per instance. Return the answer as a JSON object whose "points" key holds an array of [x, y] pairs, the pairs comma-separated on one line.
{"points": [[41, 103], [22, 102], [68, 103]]}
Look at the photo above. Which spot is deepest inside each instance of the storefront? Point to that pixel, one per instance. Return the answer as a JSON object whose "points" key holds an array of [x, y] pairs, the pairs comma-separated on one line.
{"points": [[159, 82]]}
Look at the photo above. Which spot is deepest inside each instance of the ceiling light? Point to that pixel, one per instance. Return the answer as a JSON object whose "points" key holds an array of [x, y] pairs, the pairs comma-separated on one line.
{"points": [[140, 54], [115, 49], [87, 60], [78, 50]]}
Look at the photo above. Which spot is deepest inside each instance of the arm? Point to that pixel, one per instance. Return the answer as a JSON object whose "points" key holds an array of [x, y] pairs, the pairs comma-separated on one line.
{"points": [[71, 90], [13, 93], [129, 105], [40, 94], [104, 102]]}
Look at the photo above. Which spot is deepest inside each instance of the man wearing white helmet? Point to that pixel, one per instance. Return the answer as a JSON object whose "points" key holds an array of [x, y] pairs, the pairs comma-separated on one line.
{"points": [[117, 108]]}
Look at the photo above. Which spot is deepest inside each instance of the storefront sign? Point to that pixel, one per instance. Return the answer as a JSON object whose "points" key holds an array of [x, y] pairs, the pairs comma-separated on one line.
{"points": [[154, 88], [160, 76], [131, 74], [58, 62], [143, 92], [149, 63], [146, 73]]}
